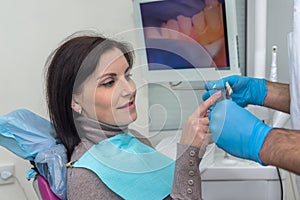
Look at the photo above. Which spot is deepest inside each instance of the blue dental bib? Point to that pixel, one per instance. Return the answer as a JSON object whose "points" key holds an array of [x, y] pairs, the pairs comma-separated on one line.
{"points": [[130, 168]]}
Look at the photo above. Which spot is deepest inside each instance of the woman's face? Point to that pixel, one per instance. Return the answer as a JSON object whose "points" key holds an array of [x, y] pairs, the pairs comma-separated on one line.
{"points": [[108, 94]]}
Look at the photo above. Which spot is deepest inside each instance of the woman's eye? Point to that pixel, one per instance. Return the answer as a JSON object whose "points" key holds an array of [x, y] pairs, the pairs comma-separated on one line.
{"points": [[128, 76], [107, 83]]}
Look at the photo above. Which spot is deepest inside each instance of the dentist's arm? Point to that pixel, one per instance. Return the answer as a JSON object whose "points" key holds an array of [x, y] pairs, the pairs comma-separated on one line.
{"points": [[278, 96], [281, 149], [241, 134]]}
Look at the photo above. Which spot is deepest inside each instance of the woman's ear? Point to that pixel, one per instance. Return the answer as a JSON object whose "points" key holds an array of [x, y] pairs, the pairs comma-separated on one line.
{"points": [[76, 106]]}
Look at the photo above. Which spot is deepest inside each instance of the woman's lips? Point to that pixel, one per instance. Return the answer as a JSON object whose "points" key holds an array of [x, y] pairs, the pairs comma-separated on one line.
{"points": [[130, 105]]}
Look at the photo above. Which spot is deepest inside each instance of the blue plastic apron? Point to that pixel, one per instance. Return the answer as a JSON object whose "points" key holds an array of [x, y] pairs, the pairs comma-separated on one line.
{"points": [[130, 168]]}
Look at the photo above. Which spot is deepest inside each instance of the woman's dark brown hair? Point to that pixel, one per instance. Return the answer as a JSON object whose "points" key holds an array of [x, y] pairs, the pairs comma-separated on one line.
{"points": [[66, 70]]}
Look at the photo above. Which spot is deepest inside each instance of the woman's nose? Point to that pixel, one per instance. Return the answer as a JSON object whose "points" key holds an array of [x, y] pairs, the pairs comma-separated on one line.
{"points": [[128, 88]]}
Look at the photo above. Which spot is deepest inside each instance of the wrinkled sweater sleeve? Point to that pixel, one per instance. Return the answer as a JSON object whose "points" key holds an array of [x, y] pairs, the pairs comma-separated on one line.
{"points": [[187, 180]]}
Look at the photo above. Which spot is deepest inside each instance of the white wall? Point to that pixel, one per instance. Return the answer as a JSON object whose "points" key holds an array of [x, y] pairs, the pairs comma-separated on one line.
{"points": [[29, 31]]}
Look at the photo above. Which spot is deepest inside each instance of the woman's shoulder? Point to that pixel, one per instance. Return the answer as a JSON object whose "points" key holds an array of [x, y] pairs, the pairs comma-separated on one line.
{"points": [[85, 184]]}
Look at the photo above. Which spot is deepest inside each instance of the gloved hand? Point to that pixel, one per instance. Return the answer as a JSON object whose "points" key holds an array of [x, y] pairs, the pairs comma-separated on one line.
{"points": [[246, 90], [237, 131]]}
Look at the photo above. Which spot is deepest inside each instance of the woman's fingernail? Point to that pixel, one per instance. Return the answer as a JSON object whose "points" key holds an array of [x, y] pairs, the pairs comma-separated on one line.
{"points": [[218, 93]]}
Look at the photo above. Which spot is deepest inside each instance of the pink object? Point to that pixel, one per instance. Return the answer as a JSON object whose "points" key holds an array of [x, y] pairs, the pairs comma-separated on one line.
{"points": [[45, 190]]}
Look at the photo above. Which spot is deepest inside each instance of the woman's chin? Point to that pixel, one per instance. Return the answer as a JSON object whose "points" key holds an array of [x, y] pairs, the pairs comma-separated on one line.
{"points": [[126, 122]]}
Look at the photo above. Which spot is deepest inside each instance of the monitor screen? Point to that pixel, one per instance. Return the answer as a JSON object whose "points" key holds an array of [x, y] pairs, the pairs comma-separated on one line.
{"points": [[183, 37]]}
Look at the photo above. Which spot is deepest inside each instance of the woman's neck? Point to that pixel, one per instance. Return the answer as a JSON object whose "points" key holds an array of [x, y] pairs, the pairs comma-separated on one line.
{"points": [[96, 131]]}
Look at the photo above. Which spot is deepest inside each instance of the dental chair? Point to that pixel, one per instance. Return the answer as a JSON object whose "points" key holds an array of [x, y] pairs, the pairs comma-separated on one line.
{"points": [[33, 138], [42, 189]]}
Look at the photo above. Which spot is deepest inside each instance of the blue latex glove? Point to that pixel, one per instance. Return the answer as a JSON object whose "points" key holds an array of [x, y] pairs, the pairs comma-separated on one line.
{"points": [[237, 131], [246, 90]]}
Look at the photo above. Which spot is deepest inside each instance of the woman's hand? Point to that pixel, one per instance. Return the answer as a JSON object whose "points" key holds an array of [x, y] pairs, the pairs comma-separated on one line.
{"points": [[195, 131]]}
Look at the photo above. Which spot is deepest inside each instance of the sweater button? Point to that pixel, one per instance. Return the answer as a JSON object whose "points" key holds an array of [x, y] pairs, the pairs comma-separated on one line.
{"points": [[192, 153], [189, 191], [191, 173], [190, 182]]}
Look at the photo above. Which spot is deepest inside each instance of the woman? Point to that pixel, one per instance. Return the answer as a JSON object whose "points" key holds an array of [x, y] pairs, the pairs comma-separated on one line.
{"points": [[91, 99]]}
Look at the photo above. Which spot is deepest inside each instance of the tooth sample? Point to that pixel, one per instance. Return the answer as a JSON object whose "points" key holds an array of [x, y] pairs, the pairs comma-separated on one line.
{"points": [[211, 2], [185, 24], [173, 28], [200, 28], [208, 24], [199, 22], [213, 17], [152, 32], [186, 27], [164, 31]]}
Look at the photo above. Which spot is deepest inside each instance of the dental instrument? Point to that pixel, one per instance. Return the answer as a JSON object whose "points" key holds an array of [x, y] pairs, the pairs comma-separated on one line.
{"points": [[273, 73], [277, 118]]}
